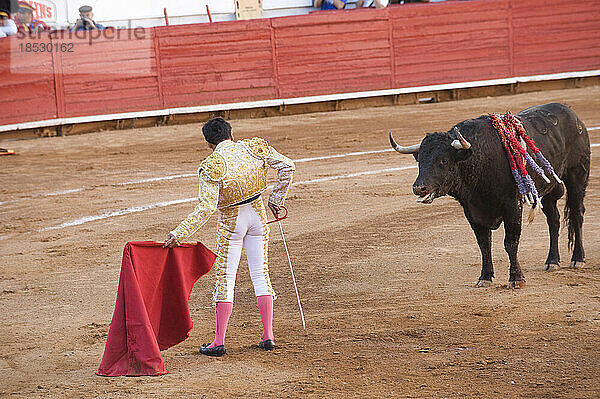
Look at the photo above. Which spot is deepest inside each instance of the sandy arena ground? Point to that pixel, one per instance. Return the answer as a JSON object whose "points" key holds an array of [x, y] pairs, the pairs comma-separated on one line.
{"points": [[388, 285]]}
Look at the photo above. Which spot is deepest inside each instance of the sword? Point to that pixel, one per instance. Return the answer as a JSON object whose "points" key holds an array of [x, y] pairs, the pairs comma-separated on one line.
{"points": [[278, 220]]}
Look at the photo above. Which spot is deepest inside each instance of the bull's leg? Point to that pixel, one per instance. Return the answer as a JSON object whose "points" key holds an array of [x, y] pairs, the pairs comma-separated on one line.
{"points": [[576, 181], [553, 218], [512, 231], [484, 240]]}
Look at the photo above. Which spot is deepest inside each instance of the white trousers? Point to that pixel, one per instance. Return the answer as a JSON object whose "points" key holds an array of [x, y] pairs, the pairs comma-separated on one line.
{"points": [[242, 226]]}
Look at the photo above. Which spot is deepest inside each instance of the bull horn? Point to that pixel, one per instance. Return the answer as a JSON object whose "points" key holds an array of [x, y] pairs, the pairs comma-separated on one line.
{"points": [[404, 150], [460, 143]]}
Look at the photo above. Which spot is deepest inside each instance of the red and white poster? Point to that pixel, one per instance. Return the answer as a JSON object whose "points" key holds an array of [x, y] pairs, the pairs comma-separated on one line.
{"points": [[45, 10]]}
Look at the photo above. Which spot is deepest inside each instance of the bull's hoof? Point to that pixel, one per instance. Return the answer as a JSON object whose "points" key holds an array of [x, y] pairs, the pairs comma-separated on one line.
{"points": [[516, 284], [548, 267], [484, 283], [576, 264]]}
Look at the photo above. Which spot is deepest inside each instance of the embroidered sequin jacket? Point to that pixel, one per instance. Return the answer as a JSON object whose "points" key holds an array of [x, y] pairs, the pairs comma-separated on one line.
{"points": [[235, 172]]}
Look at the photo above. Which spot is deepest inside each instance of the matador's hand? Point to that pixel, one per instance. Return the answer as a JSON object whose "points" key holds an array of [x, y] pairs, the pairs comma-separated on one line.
{"points": [[275, 209], [171, 242]]}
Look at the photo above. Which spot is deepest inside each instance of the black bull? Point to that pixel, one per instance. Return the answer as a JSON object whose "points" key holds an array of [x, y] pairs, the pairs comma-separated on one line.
{"points": [[469, 163]]}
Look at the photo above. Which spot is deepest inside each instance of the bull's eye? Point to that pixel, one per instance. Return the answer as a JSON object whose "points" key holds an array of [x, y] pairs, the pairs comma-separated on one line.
{"points": [[443, 163]]}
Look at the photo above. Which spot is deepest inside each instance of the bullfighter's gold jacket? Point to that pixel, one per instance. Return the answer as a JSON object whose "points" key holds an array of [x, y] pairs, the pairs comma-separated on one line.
{"points": [[233, 173]]}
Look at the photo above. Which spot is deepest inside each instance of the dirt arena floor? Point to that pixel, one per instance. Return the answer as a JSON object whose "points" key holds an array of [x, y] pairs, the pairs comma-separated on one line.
{"points": [[388, 285]]}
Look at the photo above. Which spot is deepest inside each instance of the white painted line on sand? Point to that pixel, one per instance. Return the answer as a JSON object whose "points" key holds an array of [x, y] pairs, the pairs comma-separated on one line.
{"points": [[369, 172], [62, 192], [349, 154], [152, 179], [142, 208], [189, 175], [135, 209], [74, 190], [121, 212]]}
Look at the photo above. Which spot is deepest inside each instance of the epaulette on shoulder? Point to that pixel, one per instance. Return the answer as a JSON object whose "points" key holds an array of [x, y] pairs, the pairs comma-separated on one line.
{"points": [[258, 147], [214, 167]]}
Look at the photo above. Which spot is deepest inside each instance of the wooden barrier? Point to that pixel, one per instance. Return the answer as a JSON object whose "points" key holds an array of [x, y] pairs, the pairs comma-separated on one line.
{"points": [[332, 52], [216, 63], [323, 53], [27, 91], [551, 35], [107, 74], [453, 43]]}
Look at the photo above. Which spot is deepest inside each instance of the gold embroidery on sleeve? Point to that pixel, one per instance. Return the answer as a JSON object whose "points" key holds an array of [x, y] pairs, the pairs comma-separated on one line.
{"points": [[214, 166], [285, 168], [258, 147], [208, 195]]}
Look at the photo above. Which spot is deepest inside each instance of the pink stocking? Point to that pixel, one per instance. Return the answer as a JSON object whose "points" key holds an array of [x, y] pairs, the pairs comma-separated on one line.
{"points": [[265, 306], [223, 311]]}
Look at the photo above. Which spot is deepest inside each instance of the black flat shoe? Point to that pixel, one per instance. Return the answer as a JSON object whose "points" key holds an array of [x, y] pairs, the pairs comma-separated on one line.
{"points": [[267, 344], [216, 351]]}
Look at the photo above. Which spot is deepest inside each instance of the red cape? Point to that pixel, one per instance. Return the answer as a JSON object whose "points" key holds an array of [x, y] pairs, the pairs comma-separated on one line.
{"points": [[151, 313]]}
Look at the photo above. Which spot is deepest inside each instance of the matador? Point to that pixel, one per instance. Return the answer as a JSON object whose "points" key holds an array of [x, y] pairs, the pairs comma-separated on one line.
{"points": [[231, 180]]}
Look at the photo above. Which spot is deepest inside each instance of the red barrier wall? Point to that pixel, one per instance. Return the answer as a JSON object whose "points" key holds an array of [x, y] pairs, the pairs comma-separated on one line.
{"points": [[333, 52], [321, 53], [26, 84], [216, 63], [552, 35], [111, 75], [454, 43]]}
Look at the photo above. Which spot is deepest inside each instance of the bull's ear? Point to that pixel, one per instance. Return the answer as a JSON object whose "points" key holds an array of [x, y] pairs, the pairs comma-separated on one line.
{"points": [[461, 155], [416, 156]]}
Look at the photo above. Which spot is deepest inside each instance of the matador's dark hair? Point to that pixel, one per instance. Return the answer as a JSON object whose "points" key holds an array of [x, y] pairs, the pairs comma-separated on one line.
{"points": [[216, 130]]}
